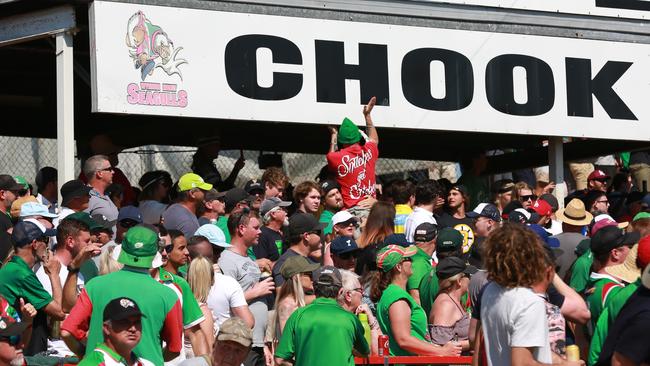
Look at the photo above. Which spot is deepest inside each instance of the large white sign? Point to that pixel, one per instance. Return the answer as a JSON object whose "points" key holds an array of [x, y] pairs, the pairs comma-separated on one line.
{"points": [[199, 63], [635, 9]]}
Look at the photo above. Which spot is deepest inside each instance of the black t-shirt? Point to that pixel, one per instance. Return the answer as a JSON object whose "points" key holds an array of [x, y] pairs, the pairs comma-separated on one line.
{"points": [[5, 222], [268, 244], [277, 267], [464, 225], [629, 335], [367, 259]]}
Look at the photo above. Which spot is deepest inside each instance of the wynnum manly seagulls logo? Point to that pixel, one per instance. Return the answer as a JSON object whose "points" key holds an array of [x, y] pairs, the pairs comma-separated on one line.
{"points": [[150, 48]]}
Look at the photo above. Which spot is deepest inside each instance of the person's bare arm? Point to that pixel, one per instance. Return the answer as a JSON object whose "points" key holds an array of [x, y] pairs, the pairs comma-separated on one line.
{"points": [[415, 294], [52, 268], [574, 307], [620, 360], [73, 344], [245, 314], [197, 340], [207, 326], [399, 314], [282, 362], [261, 288], [370, 127], [28, 313], [285, 309], [333, 138], [523, 356], [70, 287]]}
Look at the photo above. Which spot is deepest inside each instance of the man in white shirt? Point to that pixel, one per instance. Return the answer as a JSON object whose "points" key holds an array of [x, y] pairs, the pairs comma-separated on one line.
{"points": [[75, 196], [427, 200]]}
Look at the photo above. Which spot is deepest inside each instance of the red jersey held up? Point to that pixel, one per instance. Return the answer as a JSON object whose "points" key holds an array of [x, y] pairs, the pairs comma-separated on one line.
{"points": [[355, 171]]}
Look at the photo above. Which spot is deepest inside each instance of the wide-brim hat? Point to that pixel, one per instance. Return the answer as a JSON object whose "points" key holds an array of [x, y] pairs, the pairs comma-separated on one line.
{"points": [[628, 270], [154, 261], [574, 214]]}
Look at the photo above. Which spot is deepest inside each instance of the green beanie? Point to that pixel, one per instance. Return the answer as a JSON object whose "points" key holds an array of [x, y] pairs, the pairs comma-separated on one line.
{"points": [[348, 133]]}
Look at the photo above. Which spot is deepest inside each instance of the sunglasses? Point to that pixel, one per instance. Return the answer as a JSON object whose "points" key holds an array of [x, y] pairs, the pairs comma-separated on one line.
{"points": [[527, 197], [358, 289], [109, 169], [407, 259]]}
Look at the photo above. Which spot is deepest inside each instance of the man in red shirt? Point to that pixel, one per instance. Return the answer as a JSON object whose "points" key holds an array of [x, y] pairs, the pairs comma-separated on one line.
{"points": [[354, 162]]}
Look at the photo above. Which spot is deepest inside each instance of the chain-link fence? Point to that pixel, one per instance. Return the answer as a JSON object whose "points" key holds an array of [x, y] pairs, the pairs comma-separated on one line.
{"points": [[25, 156]]}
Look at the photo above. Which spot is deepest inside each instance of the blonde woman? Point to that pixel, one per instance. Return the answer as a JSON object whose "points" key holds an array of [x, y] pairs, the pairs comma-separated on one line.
{"points": [[296, 292], [107, 264], [200, 277], [449, 320]]}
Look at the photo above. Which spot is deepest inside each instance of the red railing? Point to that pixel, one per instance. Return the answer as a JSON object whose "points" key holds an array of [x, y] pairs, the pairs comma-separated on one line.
{"points": [[413, 360]]}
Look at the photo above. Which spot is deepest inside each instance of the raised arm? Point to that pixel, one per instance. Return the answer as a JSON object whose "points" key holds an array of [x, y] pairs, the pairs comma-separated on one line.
{"points": [[370, 127]]}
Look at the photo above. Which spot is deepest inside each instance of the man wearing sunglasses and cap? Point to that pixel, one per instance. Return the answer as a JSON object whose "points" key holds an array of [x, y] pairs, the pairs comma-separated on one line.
{"points": [[122, 329], [11, 343], [182, 215], [8, 194]]}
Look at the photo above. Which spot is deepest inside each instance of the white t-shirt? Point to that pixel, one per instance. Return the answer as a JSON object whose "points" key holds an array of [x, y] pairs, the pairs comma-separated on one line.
{"points": [[417, 217], [63, 275], [514, 318], [226, 293]]}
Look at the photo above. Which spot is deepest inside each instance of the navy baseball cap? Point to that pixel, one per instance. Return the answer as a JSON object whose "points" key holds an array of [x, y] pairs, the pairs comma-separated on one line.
{"points": [[485, 210], [26, 232], [396, 239], [131, 213], [343, 244]]}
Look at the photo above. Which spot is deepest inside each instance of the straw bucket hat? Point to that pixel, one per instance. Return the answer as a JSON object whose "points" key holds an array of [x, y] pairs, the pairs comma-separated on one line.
{"points": [[574, 213]]}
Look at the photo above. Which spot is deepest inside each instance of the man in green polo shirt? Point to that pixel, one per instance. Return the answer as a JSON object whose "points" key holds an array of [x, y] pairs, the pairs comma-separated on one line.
{"points": [[322, 333], [630, 272], [449, 243], [192, 314], [161, 307], [610, 246], [122, 331], [18, 281], [425, 240]]}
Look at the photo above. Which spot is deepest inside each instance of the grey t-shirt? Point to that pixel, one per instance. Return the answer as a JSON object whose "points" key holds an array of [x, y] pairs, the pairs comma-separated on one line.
{"points": [[177, 217], [565, 254], [247, 273], [151, 211], [100, 204]]}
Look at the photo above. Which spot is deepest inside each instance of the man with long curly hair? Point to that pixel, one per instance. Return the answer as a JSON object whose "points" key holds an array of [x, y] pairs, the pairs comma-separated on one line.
{"points": [[515, 326]]}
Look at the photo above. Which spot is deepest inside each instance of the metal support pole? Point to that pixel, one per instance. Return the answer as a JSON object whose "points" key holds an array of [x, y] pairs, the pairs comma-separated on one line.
{"points": [[64, 109], [556, 167]]}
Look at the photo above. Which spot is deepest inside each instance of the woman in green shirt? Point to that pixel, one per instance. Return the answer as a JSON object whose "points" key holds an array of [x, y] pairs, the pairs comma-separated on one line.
{"points": [[399, 315]]}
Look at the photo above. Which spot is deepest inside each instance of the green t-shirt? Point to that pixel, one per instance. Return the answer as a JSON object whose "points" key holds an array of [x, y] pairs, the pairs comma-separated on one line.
{"points": [[104, 356], [322, 334], [18, 280], [421, 265], [222, 223], [429, 288], [606, 319], [580, 272], [154, 299], [390, 295], [605, 288], [192, 313], [326, 218]]}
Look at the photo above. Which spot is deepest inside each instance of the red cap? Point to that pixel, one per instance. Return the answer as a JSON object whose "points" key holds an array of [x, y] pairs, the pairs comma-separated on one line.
{"points": [[542, 208], [598, 174], [601, 224], [643, 254]]}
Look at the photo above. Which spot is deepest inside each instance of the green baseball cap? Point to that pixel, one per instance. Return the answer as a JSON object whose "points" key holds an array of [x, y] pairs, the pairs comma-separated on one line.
{"points": [[190, 181], [639, 216], [22, 181], [449, 240], [139, 247], [85, 218], [297, 264], [390, 255], [348, 132]]}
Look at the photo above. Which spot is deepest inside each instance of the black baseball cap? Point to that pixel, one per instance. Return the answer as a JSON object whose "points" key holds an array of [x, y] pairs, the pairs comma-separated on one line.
{"points": [[303, 223], [328, 185], [9, 327], [396, 239], [73, 189], [485, 210], [8, 183], [451, 266], [235, 195], [254, 185], [121, 308], [425, 232], [343, 244], [328, 276], [612, 237]]}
